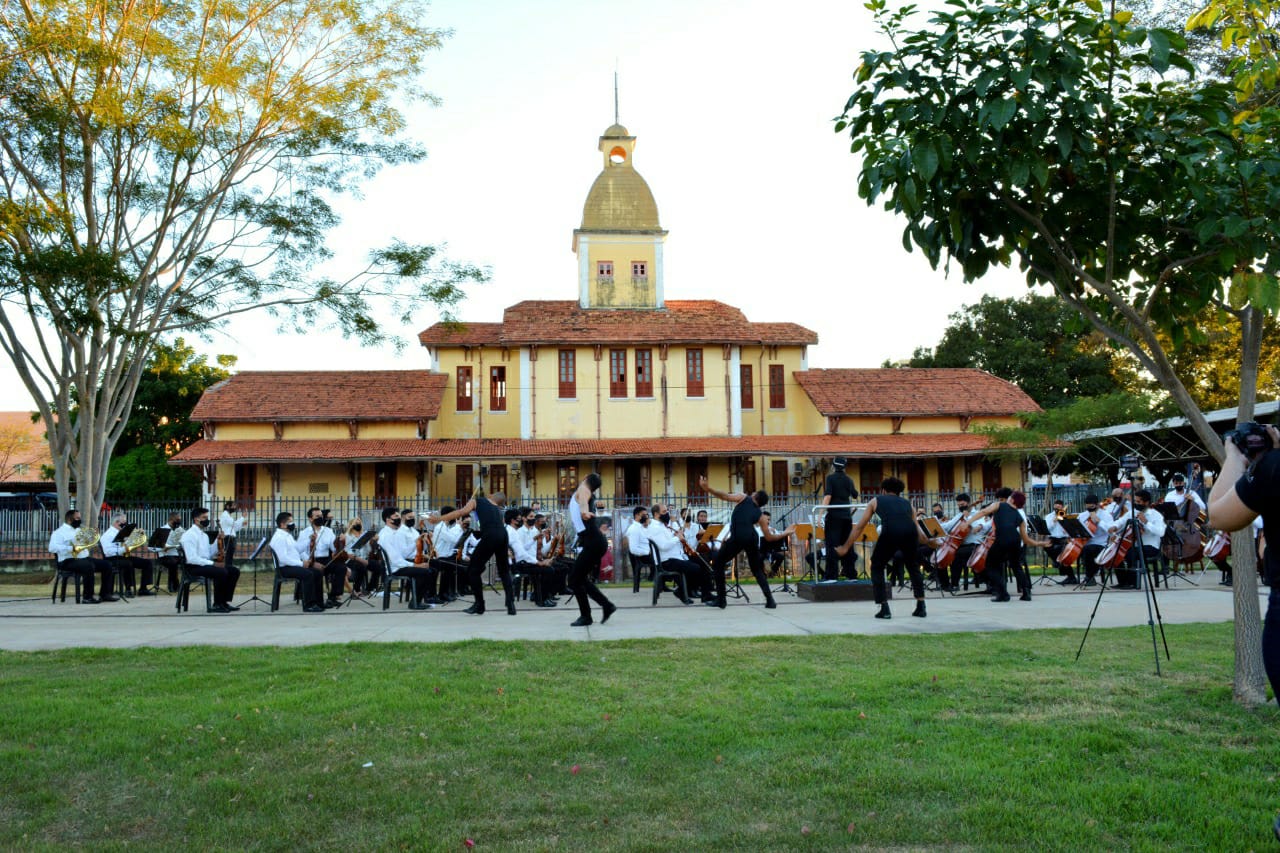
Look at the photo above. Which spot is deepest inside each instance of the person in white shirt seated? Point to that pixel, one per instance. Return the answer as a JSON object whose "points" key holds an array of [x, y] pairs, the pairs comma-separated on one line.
{"points": [[130, 565], [1152, 524], [171, 551], [1057, 534], [447, 540], [400, 551], [198, 553], [1101, 523], [1179, 494], [285, 548], [673, 557], [60, 544], [524, 557], [638, 544], [230, 525], [773, 544], [316, 549], [364, 572]]}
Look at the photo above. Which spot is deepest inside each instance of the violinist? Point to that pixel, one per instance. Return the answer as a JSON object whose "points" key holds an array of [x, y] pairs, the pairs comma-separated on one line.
{"points": [[1099, 523], [1151, 523], [400, 551], [1006, 551], [447, 563], [675, 555], [315, 547], [524, 557], [288, 562], [898, 532]]}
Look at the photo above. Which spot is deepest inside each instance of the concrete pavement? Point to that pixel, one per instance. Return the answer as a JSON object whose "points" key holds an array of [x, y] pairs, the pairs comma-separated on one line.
{"points": [[31, 624]]}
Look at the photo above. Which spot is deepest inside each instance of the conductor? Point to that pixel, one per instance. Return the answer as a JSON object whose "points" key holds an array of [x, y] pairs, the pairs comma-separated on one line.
{"points": [[838, 492]]}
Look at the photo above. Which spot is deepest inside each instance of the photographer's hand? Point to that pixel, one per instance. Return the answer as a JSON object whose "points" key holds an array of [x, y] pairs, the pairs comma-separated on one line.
{"points": [[1226, 510]]}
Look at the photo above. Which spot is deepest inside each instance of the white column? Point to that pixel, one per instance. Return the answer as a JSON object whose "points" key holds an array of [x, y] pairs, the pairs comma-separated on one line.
{"points": [[657, 271], [526, 395], [584, 271], [735, 392]]}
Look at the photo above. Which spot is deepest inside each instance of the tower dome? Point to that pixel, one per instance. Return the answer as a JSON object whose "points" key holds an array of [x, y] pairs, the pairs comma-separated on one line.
{"points": [[619, 200]]}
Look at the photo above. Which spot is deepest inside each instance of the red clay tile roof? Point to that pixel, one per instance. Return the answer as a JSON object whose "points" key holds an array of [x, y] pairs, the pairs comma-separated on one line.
{"points": [[874, 446], [919, 391], [302, 395], [560, 321]]}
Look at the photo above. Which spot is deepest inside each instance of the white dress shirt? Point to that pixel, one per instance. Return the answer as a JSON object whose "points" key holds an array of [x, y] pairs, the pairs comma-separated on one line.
{"points": [[1177, 499], [470, 546], [393, 546], [522, 548], [1105, 525], [196, 547], [1055, 527], [669, 547], [229, 524], [111, 544], [977, 531], [1152, 527], [61, 540], [285, 547], [324, 543], [446, 539], [638, 539]]}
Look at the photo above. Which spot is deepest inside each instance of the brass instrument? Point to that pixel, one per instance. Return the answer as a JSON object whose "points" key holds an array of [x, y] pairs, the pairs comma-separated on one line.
{"points": [[136, 540], [1062, 514], [85, 538]]}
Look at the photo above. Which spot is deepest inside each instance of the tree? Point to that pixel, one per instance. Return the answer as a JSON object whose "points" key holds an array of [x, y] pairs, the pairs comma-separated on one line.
{"points": [[169, 164], [160, 425], [1041, 132], [1036, 342], [17, 446], [1209, 362]]}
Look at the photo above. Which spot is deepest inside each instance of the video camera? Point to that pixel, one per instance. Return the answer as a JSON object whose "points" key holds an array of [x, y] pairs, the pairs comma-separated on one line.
{"points": [[1252, 439]]}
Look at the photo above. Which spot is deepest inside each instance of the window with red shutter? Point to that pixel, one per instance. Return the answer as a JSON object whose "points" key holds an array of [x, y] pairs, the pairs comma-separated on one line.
{"points": [[693, 373]]}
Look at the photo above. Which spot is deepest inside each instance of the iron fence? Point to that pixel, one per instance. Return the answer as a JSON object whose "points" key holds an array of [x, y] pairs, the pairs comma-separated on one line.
{"points": [[24, 534]]}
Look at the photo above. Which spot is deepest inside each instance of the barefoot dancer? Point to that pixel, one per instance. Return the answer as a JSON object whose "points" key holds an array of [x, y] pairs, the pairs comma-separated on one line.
{"points": [[493, 543], [898, 532], [743, 537], [593, 546]]}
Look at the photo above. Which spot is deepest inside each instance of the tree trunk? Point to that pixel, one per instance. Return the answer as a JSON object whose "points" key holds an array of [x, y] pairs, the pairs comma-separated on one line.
{"points": [[1250, 684]]}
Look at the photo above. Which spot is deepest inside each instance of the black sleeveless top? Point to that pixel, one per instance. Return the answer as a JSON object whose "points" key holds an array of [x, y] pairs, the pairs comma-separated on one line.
{"points": [[490, 515], [743, 521], [897, 519], [1007, 521]]}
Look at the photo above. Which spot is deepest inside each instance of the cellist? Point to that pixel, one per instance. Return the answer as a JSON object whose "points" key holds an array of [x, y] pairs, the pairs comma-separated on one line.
{"points": [[1151, 523], [1099, 524], [976, 533]]}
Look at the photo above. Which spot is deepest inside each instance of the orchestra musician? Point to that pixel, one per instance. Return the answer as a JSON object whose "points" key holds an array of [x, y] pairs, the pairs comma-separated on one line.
{"points": [[316, 548], [447, 539], [1006, 550], [130, 564], [977, 533], [401, 551], [592, 547], [744, 537], [230, 524], [363, 571], [1058, 539], [198, 553], [773, 544], [524, 556], [838, 489], [170, 554], [898, 532], [1119, 504], [61, 543], [1151, 524], [414, 532], [638, 542], [673, 549], [492, 543], [1101, 524], [290, 562], [1179, 494], [554, 571]]}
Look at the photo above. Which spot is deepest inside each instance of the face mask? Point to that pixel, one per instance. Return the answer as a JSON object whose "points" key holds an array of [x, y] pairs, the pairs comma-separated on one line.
{"points": [[937, 513], [395, 522], [291, 527], [318, 521], [644, 519], [528, 522], [356, 529], [74, 523], [1179, 487], [204, 522], [409, 521], [665, 518]]}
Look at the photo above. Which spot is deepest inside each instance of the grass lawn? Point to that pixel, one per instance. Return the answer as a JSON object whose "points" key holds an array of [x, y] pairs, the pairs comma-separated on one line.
{"points": [[979, 741]]}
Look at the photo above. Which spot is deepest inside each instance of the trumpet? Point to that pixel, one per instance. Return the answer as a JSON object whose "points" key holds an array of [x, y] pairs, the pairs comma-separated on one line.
{"points": [[85, 538]]}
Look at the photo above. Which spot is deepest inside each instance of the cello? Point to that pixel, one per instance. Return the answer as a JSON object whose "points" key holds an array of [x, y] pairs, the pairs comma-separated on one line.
{"points": [[1219, 547], [1113, 556], [945, 554], [1075, 547], [978, 560]]}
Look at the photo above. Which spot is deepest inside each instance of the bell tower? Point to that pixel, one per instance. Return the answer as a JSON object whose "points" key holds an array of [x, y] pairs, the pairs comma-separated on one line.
{"points": [[619, 245]]}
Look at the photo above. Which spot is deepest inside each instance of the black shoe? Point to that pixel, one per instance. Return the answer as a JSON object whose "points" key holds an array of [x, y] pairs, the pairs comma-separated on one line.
{"points": [[146, 591], [919, 611], [1026, 596], [511, 610], [684, 599], [580, 622], [231, 606], [87, 600], [721, 602], [1069, 581], [219, 608], [475, 610], [107, 598], [1090, 582], [313, 608], [609, 608], [709, 602], [884, 612], [771, 605], [1002, 598]]}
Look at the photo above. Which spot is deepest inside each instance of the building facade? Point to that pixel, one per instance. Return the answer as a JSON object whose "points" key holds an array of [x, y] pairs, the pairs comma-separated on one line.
{"points": [[650, 392]]}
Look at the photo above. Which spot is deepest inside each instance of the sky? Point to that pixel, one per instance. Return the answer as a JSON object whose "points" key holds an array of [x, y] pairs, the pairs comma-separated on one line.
{"points": [[732, 106]]}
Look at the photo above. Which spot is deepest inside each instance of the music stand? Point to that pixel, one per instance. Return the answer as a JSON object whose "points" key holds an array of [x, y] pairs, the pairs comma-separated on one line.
{"points": [[711, 535], [343, 554], [1041, 528], [262, 543]]}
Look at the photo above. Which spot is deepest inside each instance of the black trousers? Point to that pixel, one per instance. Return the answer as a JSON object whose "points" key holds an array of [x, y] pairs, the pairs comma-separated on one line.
{"points": [[835, 531], [224, 579], [86, 568], [1003, 560], [593, 547], [171, 564], [335, 574], [228, 550], [1089, 556], [952, 575], [732, 548], [886, 547], [496, 547], [128, 575], [423, 580], [448, 570], [697, 578], [312, 594], [1128, 576]]}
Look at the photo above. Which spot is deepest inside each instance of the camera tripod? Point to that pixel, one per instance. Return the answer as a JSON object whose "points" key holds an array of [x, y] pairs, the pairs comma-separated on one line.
{"points": [[1149, 593]]}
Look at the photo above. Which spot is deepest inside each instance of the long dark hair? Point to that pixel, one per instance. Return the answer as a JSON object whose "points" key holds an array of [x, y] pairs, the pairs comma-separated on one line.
{"points": [[593, 481]]}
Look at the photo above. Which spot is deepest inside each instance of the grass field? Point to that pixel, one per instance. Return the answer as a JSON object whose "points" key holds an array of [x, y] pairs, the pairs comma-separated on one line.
{"points": [[954, 741]]}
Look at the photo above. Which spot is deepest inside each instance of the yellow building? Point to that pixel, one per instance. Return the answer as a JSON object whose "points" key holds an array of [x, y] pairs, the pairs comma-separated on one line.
{"points": [[650, 392]]}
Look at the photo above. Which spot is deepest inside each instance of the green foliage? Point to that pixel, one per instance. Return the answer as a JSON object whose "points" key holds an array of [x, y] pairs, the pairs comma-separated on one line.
{"points": [[144, 473], [1249, 32], [1037, 342], [171, 385], [759, 743]]}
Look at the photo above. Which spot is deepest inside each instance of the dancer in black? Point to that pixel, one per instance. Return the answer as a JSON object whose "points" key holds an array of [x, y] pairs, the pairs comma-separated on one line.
{"points": [[898, 533], [592, 547], [1006, 551], [493, 543], [744, 537], [838, 491]]}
